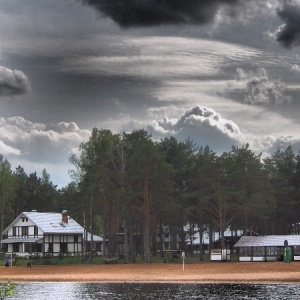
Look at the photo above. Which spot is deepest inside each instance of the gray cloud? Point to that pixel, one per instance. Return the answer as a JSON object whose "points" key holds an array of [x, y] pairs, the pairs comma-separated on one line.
{"points": [[288, 34], [13, 82], [260, 90], [133, 13], [295, 68]]}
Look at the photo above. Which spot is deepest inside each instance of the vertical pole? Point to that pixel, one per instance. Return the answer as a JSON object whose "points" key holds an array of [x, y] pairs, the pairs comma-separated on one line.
{"points": [[183, 257]]}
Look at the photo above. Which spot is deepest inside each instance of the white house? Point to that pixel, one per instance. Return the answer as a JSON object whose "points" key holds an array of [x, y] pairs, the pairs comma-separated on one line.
{"points": [[44, 233]]}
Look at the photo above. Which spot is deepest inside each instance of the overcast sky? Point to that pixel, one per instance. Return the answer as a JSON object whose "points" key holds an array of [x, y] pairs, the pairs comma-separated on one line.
{"points": [[221, 72]]}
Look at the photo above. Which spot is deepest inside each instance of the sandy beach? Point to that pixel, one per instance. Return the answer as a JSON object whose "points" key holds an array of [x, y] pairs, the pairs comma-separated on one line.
{"points": [[227, 272]]}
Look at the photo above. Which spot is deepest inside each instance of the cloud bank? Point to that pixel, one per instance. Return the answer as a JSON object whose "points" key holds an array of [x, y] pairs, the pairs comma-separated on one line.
{"points": [[204, 126], [37, 142], [13, 82], [36, 146]]}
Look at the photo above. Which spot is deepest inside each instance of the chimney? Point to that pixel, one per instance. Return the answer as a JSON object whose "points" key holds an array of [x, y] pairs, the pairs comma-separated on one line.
{"points": [[64, 216]]}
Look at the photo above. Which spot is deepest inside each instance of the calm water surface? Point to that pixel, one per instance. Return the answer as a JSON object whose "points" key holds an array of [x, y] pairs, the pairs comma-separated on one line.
{"points": [[71, 291]]}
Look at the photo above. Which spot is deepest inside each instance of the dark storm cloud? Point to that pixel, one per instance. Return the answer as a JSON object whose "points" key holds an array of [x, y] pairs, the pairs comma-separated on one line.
{"points": [[289, 33], [13, 82], [134, 13]]}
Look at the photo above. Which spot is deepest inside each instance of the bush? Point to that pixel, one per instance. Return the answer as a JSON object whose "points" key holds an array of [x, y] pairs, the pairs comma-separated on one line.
{"points": [[7, 290]]}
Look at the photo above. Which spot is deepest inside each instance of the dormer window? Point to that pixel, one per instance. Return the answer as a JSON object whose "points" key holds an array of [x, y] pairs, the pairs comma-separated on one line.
{"points": [[24, 219]]}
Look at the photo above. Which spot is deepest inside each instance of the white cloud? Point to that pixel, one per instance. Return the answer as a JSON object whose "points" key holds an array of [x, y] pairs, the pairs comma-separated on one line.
{"points": [[39, 146], [204, 126], [7, 150]]}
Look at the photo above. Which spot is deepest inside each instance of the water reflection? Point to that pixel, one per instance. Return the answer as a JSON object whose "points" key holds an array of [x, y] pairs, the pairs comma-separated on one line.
{"points": [[71, 291]]}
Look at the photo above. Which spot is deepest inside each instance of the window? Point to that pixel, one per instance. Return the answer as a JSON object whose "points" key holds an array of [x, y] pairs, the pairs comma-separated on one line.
{"points": [[245, 251], [76, 239], [28, 247], [297, 250], [24, 230], [36, 231], [50, 248], [64, 247], [258, 251], [37, 247], [14, 231], [16, 247], [98, 247], [271, 251], [166, 246]]}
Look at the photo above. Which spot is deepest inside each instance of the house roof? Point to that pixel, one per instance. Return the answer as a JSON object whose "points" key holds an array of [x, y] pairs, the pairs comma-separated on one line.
{"points": [[50, 223], [268, 240], [96, 238], [20, 240]]}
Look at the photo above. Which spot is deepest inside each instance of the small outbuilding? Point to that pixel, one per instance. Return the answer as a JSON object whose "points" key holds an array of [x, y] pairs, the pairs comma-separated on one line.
{"points": [[267, 248]]}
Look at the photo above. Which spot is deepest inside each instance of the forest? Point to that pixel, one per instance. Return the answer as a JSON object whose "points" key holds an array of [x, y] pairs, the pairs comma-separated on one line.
{"points": [[128, 184]]}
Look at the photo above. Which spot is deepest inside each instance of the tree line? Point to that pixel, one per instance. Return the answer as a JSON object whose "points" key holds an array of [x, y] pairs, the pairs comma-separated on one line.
{"points": [[128, 186]]}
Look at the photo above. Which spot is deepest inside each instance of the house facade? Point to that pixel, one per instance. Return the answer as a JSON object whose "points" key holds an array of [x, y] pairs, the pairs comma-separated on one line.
{"points": [[50, 234], [267, 248]]}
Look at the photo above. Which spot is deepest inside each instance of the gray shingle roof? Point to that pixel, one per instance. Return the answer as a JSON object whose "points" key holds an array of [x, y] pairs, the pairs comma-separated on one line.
{"points": [[52, 223], [268, 240]]}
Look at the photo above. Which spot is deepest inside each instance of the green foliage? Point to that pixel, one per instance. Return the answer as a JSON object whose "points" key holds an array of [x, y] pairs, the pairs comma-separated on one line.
{"points": [[7, 290]]}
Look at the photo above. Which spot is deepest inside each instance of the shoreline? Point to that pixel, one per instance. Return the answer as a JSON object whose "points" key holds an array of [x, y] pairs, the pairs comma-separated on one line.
{"points": [[205, 273]]}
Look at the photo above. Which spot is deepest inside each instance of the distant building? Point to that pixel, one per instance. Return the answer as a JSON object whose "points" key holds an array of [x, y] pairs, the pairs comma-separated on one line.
{"points": [[267, 248], [97, 243], [171, 240]]}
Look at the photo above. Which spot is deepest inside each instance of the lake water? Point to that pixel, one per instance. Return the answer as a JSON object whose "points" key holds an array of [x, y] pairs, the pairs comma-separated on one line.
{"points": [[71, 291]]}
